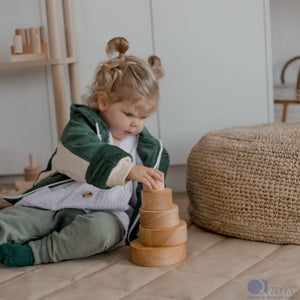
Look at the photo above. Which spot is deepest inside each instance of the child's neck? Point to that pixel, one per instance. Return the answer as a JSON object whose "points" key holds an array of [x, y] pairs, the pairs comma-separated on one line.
{"points": [[116, 142]]}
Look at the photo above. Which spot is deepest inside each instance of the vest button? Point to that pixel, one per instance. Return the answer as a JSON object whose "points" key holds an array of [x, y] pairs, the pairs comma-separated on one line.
{"points": [[87, 194]]}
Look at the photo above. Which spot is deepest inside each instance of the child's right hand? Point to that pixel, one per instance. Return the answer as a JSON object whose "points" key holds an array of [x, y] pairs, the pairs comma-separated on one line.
{"points": [[145, 176]]}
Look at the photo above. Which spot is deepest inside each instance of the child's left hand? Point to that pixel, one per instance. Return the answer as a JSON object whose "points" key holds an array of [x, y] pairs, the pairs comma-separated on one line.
{"points": [[145, 176]]}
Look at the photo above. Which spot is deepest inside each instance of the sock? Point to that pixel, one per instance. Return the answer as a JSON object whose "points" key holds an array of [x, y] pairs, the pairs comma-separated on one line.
{"points": [[15, 255]]}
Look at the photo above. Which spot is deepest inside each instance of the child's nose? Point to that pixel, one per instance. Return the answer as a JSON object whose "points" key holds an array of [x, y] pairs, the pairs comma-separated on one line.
{"points": [[134, 123]]}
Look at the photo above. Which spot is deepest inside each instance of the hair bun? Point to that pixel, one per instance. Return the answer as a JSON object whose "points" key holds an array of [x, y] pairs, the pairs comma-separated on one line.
{"points": [[155, 64], [117, 44]]}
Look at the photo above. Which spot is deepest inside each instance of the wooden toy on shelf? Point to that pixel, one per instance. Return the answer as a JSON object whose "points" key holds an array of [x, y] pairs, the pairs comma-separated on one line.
{"points": [[37, 48], [31, 174], [162, 240]]}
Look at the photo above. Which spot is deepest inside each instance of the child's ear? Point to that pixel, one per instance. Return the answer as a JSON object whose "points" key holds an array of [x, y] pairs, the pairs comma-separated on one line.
{"points": [[102, 101]]}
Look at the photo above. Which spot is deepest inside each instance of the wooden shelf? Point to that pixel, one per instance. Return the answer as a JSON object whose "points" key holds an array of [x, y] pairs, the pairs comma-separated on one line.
{"points": [[44, 62], [58, 60]]}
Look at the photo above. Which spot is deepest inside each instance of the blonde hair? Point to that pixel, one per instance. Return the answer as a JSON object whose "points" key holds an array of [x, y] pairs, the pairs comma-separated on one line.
{"points": [[125, 72]]}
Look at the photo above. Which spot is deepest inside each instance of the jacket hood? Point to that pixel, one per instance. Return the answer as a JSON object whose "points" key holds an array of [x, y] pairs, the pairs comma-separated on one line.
{"points": [[91, 116]]}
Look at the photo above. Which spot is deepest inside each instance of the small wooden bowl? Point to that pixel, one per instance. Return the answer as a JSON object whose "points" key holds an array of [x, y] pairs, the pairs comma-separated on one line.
{"points": [[164, 237], [159, 218], [157, 200]]}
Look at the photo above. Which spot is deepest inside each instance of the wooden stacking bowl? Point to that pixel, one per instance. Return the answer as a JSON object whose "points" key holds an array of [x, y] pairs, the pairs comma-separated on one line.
{"points": [[157, 200], [159, 218], [164, 237], [156, 256]]}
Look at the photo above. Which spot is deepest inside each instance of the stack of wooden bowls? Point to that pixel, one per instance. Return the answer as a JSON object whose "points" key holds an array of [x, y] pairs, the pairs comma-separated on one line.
{"points": [[162, 240]]}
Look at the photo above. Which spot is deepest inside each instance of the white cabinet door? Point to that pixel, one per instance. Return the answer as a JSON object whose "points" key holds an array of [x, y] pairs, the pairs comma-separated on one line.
{"points": [[214, 55]]}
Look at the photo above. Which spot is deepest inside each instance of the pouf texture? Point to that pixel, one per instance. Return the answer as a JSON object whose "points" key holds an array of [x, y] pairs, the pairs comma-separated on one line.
{"points": [[245, 182]]}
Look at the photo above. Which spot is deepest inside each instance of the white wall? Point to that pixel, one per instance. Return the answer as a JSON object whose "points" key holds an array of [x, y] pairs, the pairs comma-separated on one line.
{"points": [[26, 95], [216, 68]]}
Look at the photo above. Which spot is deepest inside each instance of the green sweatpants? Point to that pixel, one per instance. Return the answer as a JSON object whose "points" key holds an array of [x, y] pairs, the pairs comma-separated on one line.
{"points": [[60, 235]]}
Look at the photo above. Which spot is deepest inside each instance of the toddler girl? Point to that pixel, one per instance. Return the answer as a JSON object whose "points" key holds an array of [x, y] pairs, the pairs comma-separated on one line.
{"points": [[87, 200]]}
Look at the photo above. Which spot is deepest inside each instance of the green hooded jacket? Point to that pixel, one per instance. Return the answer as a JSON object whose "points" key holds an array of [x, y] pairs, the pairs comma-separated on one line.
{"points": [[84, 155]]}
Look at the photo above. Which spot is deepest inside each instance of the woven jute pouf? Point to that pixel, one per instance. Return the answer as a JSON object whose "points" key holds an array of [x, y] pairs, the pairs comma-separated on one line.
{"points": [[245, 182]]}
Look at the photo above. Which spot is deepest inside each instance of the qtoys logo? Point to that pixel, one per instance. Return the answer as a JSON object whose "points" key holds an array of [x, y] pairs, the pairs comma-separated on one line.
{"points": [[261, 289]]}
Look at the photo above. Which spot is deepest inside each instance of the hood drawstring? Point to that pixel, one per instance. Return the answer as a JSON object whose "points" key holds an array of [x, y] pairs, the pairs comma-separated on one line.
{"points": [[98, 132], [159, 155]]}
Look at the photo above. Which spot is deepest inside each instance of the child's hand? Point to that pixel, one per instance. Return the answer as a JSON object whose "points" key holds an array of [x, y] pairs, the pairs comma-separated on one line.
{"points": [[145, 175]]}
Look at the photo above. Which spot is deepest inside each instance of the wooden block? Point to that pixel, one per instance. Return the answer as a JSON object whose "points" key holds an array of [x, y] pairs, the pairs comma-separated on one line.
{"points": [[156, 256], [157, 200], [160, 186], [23, 185], [162, 237], [23, 33], [27, 49], [43, 35], [32, 160], [36, 42], [18, 48], [32, 172], [32, 31], [46, 50], [159, 218], [27, 57]]}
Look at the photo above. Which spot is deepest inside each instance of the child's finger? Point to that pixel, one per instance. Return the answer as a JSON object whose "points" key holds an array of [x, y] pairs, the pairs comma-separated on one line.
{"points": [[147, 183], [152, 182], [158, 175], [161, 176]]}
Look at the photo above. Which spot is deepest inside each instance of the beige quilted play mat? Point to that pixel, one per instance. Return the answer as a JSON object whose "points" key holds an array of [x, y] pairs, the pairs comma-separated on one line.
{"points": [[217, 267]]}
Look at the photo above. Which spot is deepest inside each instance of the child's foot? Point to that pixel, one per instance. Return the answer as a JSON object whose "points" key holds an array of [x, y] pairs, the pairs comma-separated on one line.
{"points": [[15, 255]]}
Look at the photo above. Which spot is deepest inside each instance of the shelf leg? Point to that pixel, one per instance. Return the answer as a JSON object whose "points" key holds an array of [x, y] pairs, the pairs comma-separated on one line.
{"points": [[71, 50], [58, 77]]}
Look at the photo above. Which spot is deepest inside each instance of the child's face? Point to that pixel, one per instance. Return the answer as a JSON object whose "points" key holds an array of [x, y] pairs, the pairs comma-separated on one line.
{"points": [[125, 118]]}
